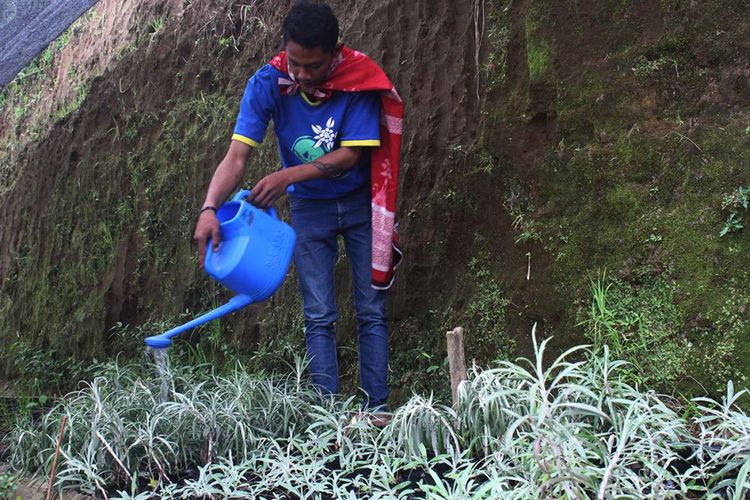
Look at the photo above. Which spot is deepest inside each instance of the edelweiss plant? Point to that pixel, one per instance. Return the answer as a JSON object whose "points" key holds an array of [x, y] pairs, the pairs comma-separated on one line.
{"points": [[572, 428]]}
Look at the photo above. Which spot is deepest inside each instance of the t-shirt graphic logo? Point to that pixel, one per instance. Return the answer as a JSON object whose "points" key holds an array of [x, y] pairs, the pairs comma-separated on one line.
{"points": [[309, 149], [326, 135]]}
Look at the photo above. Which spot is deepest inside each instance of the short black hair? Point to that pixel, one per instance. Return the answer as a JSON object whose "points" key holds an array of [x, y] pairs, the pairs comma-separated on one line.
{"points": [[312, 25]]}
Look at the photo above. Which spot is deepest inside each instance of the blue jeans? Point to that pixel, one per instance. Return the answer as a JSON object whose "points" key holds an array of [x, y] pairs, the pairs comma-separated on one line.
{"points": [[318, 224]]}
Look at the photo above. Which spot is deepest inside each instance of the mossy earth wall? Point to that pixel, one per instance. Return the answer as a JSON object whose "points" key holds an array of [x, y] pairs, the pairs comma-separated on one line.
{"points": [[547, 143]]}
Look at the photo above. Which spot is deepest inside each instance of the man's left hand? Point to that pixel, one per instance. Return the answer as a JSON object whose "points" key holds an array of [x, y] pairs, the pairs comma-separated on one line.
{"points": [[269, 189]]}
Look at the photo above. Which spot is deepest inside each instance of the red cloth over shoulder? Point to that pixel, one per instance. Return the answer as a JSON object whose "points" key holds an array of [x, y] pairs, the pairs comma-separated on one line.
{"points": [[353, 71]]}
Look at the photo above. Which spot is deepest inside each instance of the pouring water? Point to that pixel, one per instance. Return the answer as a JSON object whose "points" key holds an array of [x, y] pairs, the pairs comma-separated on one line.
{"points": [[161, 362]]}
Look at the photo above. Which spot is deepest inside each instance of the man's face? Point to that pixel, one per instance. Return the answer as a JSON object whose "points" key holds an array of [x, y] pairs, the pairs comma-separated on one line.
{"points": [[309, 67]]}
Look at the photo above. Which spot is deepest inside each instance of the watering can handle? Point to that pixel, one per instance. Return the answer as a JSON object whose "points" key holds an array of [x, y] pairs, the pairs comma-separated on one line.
{"points": [[241, 195]]}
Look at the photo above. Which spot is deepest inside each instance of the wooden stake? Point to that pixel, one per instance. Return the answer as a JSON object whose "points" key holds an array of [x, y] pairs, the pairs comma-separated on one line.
{"points": [[57, 454], [456, 360]]}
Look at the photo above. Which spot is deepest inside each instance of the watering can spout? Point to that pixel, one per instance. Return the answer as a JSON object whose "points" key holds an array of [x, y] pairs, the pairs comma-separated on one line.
{"points": [[165, 339]]}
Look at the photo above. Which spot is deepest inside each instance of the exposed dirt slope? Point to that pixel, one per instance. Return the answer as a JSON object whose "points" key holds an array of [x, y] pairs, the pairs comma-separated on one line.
{"points": [[98, 232], [575, 137]]}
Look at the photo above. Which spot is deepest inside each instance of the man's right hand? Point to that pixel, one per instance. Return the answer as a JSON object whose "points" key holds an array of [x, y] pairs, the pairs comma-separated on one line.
{"points": [[206, 227]]}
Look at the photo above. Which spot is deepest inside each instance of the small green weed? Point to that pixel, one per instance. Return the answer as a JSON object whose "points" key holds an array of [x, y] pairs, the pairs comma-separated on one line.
{"points": [[526, 229], [498, 38], [644, 67], [47, 55], [539, 53], [71, 104], [131, 133], [735, 203], [156, 25], [520, 209], [733, 224], [225, 42], [539, 58], [602, 321], [36, 403], [63, 40], [475, 154], [485, 161], [639, 324], [8, 483]]}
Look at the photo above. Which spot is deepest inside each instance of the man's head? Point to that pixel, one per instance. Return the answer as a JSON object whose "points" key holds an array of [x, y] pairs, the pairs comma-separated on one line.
{"points": [[311, 33]]}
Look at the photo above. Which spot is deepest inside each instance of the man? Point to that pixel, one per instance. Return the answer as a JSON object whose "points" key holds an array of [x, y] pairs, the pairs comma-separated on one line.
{"points": [[331, 133]]}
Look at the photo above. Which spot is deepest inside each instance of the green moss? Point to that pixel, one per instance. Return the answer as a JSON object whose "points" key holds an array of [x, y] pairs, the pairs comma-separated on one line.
{"points": [[485, 318], [596, 107], [418, 361], [648, 207], [720, 337], [539, 53], [625, 202]]}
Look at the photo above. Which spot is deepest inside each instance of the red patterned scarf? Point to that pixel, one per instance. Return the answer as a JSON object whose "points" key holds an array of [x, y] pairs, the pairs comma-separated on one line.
{"points": [[353, 71]]}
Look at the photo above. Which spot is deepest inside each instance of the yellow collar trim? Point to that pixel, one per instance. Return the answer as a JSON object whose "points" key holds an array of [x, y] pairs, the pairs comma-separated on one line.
{"points": [[307, 99]]}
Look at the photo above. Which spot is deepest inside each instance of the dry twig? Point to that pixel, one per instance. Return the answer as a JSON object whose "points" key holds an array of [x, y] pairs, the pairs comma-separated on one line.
{"points": [[57, 454], [111, 452]]}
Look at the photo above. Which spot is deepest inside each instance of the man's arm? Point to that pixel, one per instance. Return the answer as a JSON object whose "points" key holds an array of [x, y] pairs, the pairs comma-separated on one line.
{"points": [[335, 163], [226, 178]]}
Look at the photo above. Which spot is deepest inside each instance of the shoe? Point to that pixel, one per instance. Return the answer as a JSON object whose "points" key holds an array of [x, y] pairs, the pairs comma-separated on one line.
{"points": [[377, 419], [380, 419]]}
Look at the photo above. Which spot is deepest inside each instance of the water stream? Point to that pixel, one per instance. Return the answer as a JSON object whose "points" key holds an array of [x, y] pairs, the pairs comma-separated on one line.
{"points": [[161, 361]]}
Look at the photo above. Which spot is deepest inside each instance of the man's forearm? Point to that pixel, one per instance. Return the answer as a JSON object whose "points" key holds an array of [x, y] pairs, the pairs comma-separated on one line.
{"points": [[329, 165], [226, 178], [274, 185]]}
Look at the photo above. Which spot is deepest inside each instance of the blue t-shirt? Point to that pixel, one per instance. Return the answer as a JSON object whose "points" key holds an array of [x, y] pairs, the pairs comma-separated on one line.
{"points": [[307, 130]]}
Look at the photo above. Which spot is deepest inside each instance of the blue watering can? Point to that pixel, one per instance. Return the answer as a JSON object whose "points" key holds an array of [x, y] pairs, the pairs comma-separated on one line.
{"points": [[252, 260]]}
